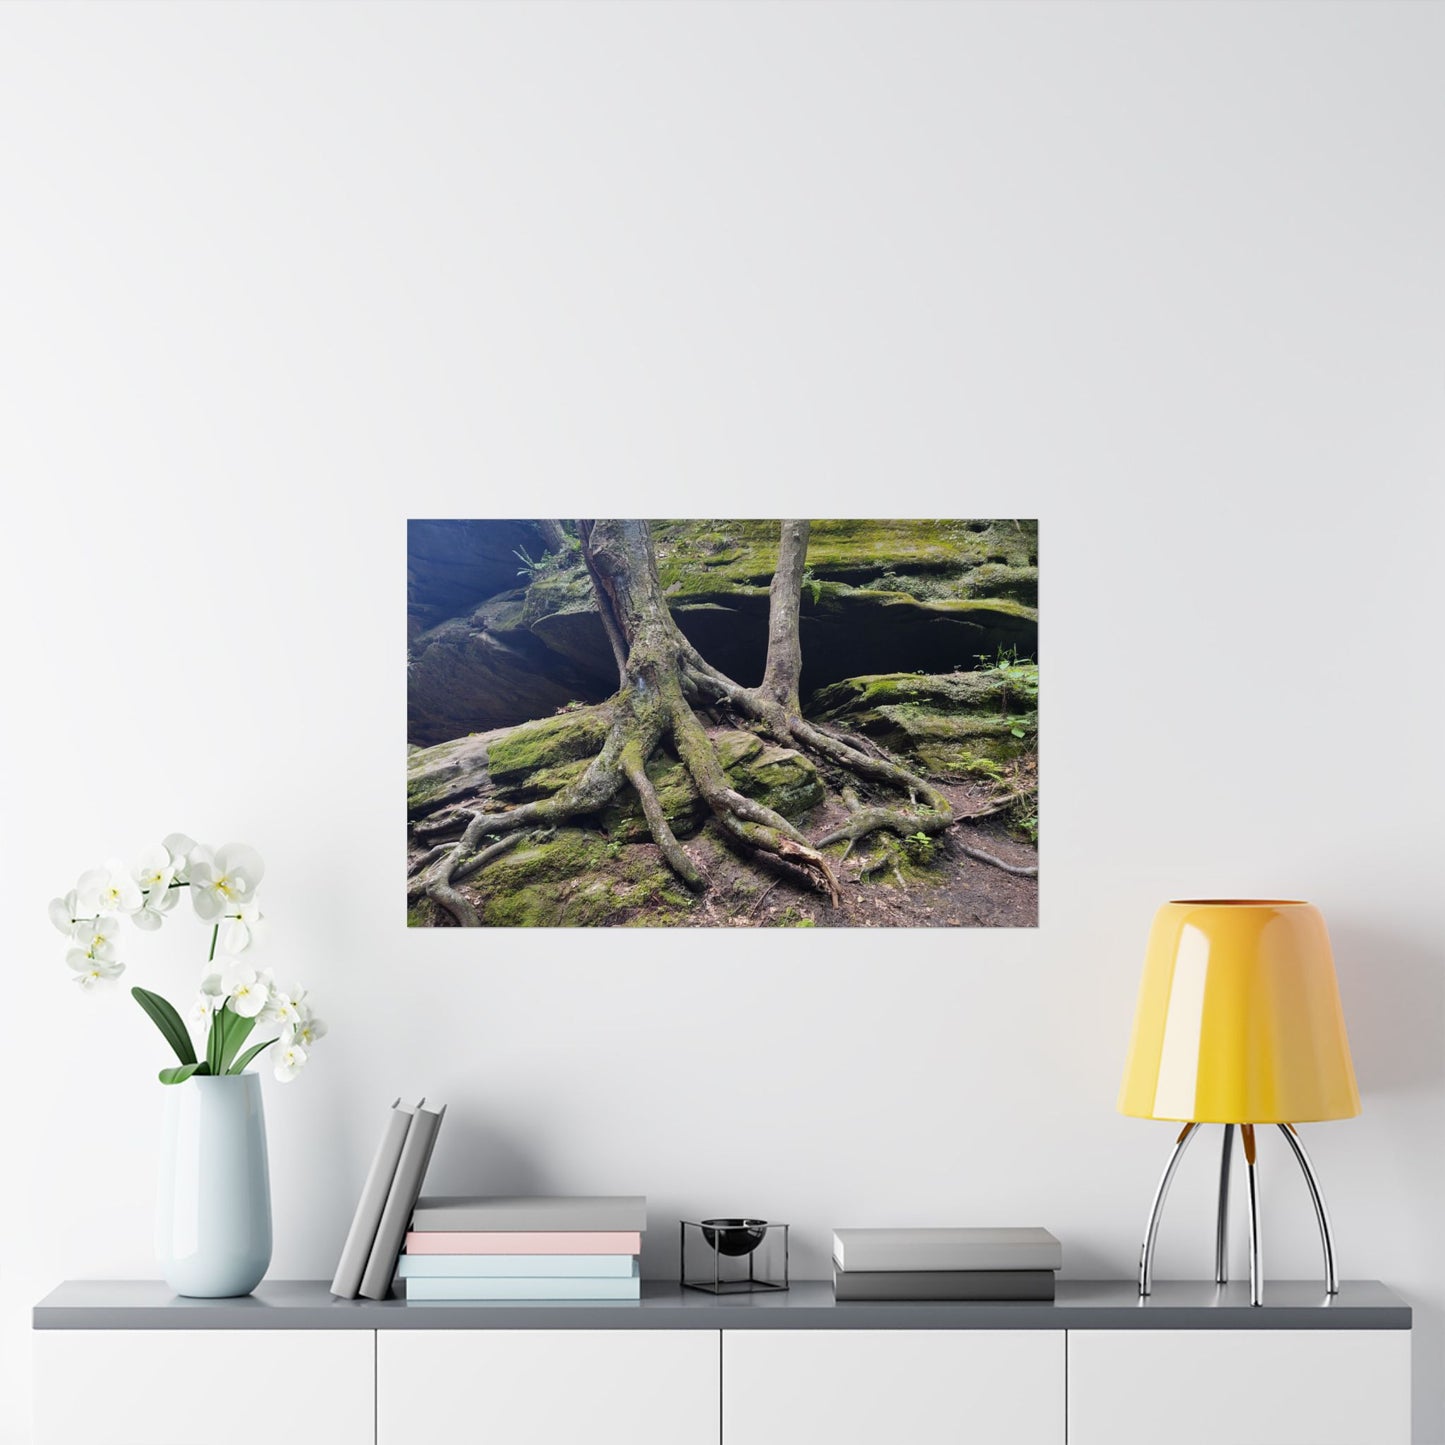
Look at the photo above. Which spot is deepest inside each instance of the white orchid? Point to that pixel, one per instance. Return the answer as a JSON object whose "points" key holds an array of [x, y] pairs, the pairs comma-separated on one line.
{"points": [[108, 889], [221, 884], [305, 1031], [65, 912], [97, 936], [248, 993], [290, 1060], [281, 1009], [180, 848], [242, 929], [211, 997], [91, 971], [156, 869]]}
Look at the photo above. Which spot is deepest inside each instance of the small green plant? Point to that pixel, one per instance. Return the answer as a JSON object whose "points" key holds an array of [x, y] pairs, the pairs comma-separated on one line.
{"points": [[812, 586], [530, 565], [920, 847], [1025, 820]]}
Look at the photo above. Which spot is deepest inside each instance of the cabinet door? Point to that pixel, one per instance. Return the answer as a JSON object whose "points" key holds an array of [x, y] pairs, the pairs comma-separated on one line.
{"points": [[546, 1387], [202, 1387], [1249, 1387], [886, 1387]]}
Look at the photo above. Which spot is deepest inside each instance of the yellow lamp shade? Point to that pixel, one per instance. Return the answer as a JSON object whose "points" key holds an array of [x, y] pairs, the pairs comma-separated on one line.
{"points": [[1239, 1018]]}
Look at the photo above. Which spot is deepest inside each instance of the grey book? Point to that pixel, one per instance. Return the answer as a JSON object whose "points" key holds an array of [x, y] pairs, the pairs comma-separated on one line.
{"points": [[580, 1214], [400, 1201], [364, 1223], [952, 1284], [943, 1249]]}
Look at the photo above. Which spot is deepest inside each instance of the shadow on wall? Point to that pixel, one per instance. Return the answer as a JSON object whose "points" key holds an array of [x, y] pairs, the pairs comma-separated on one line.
{"points": [[474, 1155], [1392, 987]]}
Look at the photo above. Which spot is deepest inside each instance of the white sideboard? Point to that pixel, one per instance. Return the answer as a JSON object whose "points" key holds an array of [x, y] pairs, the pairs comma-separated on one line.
{"points": [[868, 1387], [127, 1363]]}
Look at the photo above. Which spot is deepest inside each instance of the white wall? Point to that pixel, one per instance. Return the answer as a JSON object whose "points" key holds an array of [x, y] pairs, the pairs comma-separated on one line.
{"points": [[276, 278]]}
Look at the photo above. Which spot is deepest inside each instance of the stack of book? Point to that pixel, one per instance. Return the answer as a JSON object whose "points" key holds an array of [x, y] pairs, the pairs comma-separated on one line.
{"points": [[525, 1249], [945, 1264]]}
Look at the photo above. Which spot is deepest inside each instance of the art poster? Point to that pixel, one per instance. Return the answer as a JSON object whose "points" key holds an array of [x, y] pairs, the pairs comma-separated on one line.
{"points": [[722, 724]]}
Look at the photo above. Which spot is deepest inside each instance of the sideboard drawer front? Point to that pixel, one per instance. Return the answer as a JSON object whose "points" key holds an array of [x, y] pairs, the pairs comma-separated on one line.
{"points": [[546, 1387], [1249, 1387], [886, 1387], [202, 1387]]}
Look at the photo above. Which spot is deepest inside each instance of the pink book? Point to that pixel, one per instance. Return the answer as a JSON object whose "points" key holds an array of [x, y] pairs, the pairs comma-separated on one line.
{"points": [[436, 1241]]}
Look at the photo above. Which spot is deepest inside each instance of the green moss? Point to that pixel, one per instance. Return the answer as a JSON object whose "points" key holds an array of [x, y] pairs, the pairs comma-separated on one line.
{"points": [[573, 735], [958, 692], [950, 724], [922, 558], [779, 778], [577, 879]]}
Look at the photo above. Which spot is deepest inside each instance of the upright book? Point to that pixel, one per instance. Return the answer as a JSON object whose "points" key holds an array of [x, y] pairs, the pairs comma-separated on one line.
{"points": [[945, 1249], [362, 1234], [400, 1201]]}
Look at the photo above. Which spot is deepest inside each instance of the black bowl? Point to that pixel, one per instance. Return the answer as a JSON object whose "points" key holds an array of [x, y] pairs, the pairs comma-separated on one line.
{"points": [[734, 1237]]}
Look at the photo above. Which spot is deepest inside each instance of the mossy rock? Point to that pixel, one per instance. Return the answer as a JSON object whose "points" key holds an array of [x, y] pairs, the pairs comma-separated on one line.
{"points": [[958, 692], [576, 879], [950, 725], [522, 752], [446, 773]]}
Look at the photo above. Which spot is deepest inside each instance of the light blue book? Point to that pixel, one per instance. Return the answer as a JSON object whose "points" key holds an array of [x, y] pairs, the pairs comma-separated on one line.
{"points": [[523, 1289], [518, 1266]]}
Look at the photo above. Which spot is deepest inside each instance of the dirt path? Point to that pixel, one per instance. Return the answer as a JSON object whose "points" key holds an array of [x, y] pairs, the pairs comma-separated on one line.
{"points": [[954, 892]]}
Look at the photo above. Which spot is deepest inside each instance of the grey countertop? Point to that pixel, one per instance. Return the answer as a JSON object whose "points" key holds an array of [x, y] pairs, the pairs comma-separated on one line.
{"points": [[809, 1304]]}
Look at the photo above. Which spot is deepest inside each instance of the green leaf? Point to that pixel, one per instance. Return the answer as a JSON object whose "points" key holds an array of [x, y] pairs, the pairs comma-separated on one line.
{"points": [[239, 1067], [216, 1038], [168, 1021], [1018, 732], [181, 1072], [236, 1031]]}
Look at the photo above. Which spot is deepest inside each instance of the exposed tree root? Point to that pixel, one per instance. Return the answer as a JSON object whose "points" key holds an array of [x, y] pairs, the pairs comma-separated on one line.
{"points": [[634, 766], [980, 856]]}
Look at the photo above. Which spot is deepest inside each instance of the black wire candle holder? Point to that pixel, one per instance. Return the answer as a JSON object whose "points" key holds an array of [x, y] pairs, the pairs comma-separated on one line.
{"points": [[733, 1256]]}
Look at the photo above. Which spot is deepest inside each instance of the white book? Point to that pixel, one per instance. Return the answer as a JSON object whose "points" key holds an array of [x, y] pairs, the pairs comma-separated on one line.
{"points": [[405, 1187], [517, 1266], [362, 1234], [944, 1249]]}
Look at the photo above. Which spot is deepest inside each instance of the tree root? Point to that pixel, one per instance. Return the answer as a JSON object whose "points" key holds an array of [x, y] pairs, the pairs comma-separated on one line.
{"points": [[980, 856], [634, 766]]}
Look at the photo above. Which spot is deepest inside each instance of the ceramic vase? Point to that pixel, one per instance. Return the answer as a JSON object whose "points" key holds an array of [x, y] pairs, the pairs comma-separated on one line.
{"points": [[213, 1216]]}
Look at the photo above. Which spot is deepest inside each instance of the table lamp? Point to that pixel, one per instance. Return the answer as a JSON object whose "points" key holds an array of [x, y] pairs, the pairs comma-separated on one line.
{"points": [[1239, 1023]]}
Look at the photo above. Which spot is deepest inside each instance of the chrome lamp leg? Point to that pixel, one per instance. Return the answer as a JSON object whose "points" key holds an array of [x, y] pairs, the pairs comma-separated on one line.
{"points": [[1151, 1232], [1322, 1215], [1251, 1171], [1221, 1228]]}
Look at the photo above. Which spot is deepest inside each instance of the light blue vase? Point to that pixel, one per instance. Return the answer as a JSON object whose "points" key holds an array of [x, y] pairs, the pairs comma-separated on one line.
{"points": [[213, 1216]]}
